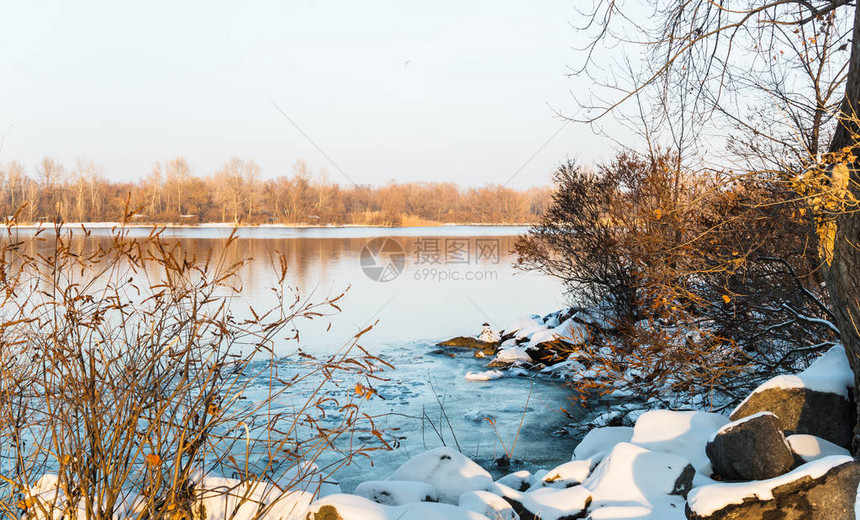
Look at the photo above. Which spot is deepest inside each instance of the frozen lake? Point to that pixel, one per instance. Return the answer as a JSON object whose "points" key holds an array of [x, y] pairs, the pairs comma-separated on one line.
{"points": [[419, 286]]}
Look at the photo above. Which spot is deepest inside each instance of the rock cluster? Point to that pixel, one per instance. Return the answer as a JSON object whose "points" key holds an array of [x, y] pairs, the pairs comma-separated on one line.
{"points": [[536, 342], [671, 465]]}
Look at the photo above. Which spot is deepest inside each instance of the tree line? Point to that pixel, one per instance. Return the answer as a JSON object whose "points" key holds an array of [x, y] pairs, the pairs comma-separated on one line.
{"points": [[236, 193]]}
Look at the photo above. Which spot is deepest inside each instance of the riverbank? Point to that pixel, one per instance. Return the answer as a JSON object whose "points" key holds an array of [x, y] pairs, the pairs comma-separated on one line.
{"points": [[232, 225], [782, 451], [779, 454]]}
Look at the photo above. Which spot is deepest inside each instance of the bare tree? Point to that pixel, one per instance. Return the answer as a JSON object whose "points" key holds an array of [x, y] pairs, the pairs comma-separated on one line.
{"points": [[708, 41]]}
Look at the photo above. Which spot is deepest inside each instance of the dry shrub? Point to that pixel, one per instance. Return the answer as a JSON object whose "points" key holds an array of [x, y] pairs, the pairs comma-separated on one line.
{"points": [[711, 285], [127, 373]]}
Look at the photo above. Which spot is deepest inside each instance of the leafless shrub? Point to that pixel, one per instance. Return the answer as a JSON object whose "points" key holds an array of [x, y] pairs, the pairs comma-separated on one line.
{"points": [[127, 374]]}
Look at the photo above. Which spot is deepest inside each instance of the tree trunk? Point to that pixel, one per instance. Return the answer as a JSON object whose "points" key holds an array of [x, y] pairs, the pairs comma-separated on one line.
{"points": [[843, 274]]}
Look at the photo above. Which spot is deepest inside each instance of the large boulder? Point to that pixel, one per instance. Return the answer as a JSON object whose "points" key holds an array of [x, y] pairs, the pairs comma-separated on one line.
{"points": [[752, 448], [817, 401], [825, 489]]}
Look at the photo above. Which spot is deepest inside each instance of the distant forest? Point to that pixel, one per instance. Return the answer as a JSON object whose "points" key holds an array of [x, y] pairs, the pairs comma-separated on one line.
{"points": [[235, 193]]}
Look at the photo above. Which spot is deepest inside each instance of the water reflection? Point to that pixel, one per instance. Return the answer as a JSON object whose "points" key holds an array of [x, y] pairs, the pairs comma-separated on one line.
{"points": [[433, 298]]}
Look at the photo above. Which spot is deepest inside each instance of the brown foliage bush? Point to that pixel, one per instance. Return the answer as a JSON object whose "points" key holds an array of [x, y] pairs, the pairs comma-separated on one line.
{"points": [[124, 376], [710, 285]]}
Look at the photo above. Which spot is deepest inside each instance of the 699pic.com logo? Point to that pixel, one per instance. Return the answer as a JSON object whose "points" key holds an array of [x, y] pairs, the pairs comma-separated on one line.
{"points": [[382, 259]]}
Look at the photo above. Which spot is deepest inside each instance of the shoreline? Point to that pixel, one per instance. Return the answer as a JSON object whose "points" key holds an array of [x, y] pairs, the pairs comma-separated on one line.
{"points": [[227, 225]]}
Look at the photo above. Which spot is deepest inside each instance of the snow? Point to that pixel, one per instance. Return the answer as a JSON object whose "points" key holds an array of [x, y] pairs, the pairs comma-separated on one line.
{"points": [[634, 476], [492, 506], [674, 510], [223, 498], [572, 332], [216, 498], [523, 323], [601, 440], [684, 434], [569, 474], [565, 369], [505, 491], [396, 492], [448, 470], [489, 375], [542, 336], [706, 500], [512, 355], [519, 480], [528, 332], [596, 317], [810, 447], [828, 374], [552, 504], [489, 335], [352, 507]]}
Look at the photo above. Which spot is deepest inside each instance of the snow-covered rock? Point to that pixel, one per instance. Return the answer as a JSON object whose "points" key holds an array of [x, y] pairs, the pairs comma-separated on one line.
{"points": [[487, 375], [728, 500], [541, 336], [596, 317], [553, 503], [631, 475], [354, 507], [492, 506], [569, 474], [447, 470], [396, 492], [567, 369], [520, 480], [510, 355], [572, 332], [601, 440], [830, 374], [506, 492], [684, 434], [489, 335], [815, 401], [810, 447]]}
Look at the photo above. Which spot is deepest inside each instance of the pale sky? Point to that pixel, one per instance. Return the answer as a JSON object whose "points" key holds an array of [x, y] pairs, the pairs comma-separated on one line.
{"points": [[439, 90]]}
